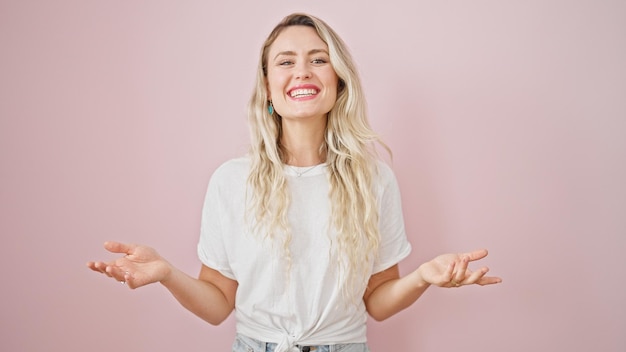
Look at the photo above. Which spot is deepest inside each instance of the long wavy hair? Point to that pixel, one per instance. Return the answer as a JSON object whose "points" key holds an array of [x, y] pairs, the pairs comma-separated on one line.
{"points": [[349, 149]]}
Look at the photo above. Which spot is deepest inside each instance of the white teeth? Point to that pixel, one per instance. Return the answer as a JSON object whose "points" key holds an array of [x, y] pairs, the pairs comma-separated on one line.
{"points": [[296, 93]]}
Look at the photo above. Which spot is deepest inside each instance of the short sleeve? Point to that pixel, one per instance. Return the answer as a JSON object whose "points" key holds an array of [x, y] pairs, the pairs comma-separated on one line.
{"points": [[211, 246], [394, 245]]}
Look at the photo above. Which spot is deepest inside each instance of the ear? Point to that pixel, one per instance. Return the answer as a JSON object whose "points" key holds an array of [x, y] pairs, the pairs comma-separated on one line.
{"points": [[267, 90], [341, 84]]}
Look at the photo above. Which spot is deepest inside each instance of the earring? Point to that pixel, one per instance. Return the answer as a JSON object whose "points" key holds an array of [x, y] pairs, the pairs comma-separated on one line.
{"points": [[270, 108]]}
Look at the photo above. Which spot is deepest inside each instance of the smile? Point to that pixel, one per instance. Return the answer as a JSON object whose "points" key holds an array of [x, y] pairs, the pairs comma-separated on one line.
{"points": [[300, 93]]}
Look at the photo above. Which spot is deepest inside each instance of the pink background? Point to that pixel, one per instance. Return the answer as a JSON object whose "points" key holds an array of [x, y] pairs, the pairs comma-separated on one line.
{"points": [[507, 119]]}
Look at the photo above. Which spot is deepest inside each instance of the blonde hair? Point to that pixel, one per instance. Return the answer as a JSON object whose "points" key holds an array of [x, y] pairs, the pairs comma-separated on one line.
{"points": [[350, 157]]}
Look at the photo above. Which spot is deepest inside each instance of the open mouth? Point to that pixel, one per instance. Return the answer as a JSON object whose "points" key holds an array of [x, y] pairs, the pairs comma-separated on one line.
{"points": [[301, 93]]}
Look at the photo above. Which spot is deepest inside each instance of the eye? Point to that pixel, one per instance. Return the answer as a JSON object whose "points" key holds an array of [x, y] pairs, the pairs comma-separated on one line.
{"points": [[319, 61], [285, 63]]}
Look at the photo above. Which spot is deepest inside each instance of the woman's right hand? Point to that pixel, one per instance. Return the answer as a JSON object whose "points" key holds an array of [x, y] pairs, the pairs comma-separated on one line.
{"points": [[139, 266]]}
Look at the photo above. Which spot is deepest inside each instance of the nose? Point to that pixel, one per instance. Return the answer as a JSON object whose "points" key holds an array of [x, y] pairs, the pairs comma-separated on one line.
{"points": [[303, 71]]}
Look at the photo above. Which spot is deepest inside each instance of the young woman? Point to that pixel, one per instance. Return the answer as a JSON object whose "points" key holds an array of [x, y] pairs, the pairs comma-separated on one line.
{"points": [[302, 237]]}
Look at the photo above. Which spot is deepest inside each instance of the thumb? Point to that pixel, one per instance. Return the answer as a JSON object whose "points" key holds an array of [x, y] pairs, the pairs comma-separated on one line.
{"points": [[118, 247], [477, 254]]}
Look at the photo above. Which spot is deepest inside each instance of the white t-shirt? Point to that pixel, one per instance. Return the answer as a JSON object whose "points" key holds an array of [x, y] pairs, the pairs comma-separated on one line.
{"points": [[308, 308]]}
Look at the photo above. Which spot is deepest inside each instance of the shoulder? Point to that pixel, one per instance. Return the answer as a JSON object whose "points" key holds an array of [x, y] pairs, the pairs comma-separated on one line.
{"points": [[231, 170], [385, 173], [385, 182], [241, 164]]}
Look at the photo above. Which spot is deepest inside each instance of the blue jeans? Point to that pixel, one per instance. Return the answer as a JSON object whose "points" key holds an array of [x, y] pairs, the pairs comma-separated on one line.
{"points": [[247, 344]]}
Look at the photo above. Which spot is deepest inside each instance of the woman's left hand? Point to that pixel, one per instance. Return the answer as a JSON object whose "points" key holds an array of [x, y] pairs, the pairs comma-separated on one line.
{"points": [[451, 270]]}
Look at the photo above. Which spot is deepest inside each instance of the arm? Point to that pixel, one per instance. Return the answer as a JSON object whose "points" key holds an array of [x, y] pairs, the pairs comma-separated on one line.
{"points": [[387, 293], [210, 297]]}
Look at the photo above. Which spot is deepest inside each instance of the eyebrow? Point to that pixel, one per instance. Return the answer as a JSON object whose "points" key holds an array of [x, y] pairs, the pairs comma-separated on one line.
{"points": [[293, 53]]}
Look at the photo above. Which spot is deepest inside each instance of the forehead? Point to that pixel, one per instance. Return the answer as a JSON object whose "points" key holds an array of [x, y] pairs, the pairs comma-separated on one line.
{"points": [[297, 38]]}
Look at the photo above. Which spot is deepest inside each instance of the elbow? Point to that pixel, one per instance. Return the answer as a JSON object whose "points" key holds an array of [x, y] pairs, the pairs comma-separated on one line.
{"points": [[215, 322], [216, 319], [379, 316], [377, 313]]}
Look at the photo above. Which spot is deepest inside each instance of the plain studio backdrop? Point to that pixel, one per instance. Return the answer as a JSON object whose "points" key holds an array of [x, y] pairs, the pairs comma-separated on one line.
{"points": [[507, 120]]}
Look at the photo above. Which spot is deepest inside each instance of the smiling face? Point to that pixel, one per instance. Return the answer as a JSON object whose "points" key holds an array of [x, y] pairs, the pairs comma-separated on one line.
{"points": [[301, 82]]}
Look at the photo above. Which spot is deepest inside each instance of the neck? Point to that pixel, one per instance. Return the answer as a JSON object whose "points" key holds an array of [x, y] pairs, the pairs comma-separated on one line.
{"points": [[303, 143]]}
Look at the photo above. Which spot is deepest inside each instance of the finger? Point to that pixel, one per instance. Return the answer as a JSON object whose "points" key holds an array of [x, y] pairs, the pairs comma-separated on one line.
{"points": [[130, 282], [121, 275], [97, 266], [459, 276], [476, 276], [476, 255], [117, 247], [489, 280], [117, 273], [92, 266], [449, 273]]}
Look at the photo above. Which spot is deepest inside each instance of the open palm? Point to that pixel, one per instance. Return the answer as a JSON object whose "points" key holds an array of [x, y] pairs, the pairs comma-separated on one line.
{"points": [[451, 270], [140, 265]]}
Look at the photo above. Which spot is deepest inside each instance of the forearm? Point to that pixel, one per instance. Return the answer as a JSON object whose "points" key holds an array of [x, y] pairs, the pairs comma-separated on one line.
{"points": [[395, 295], [200, 297]]}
